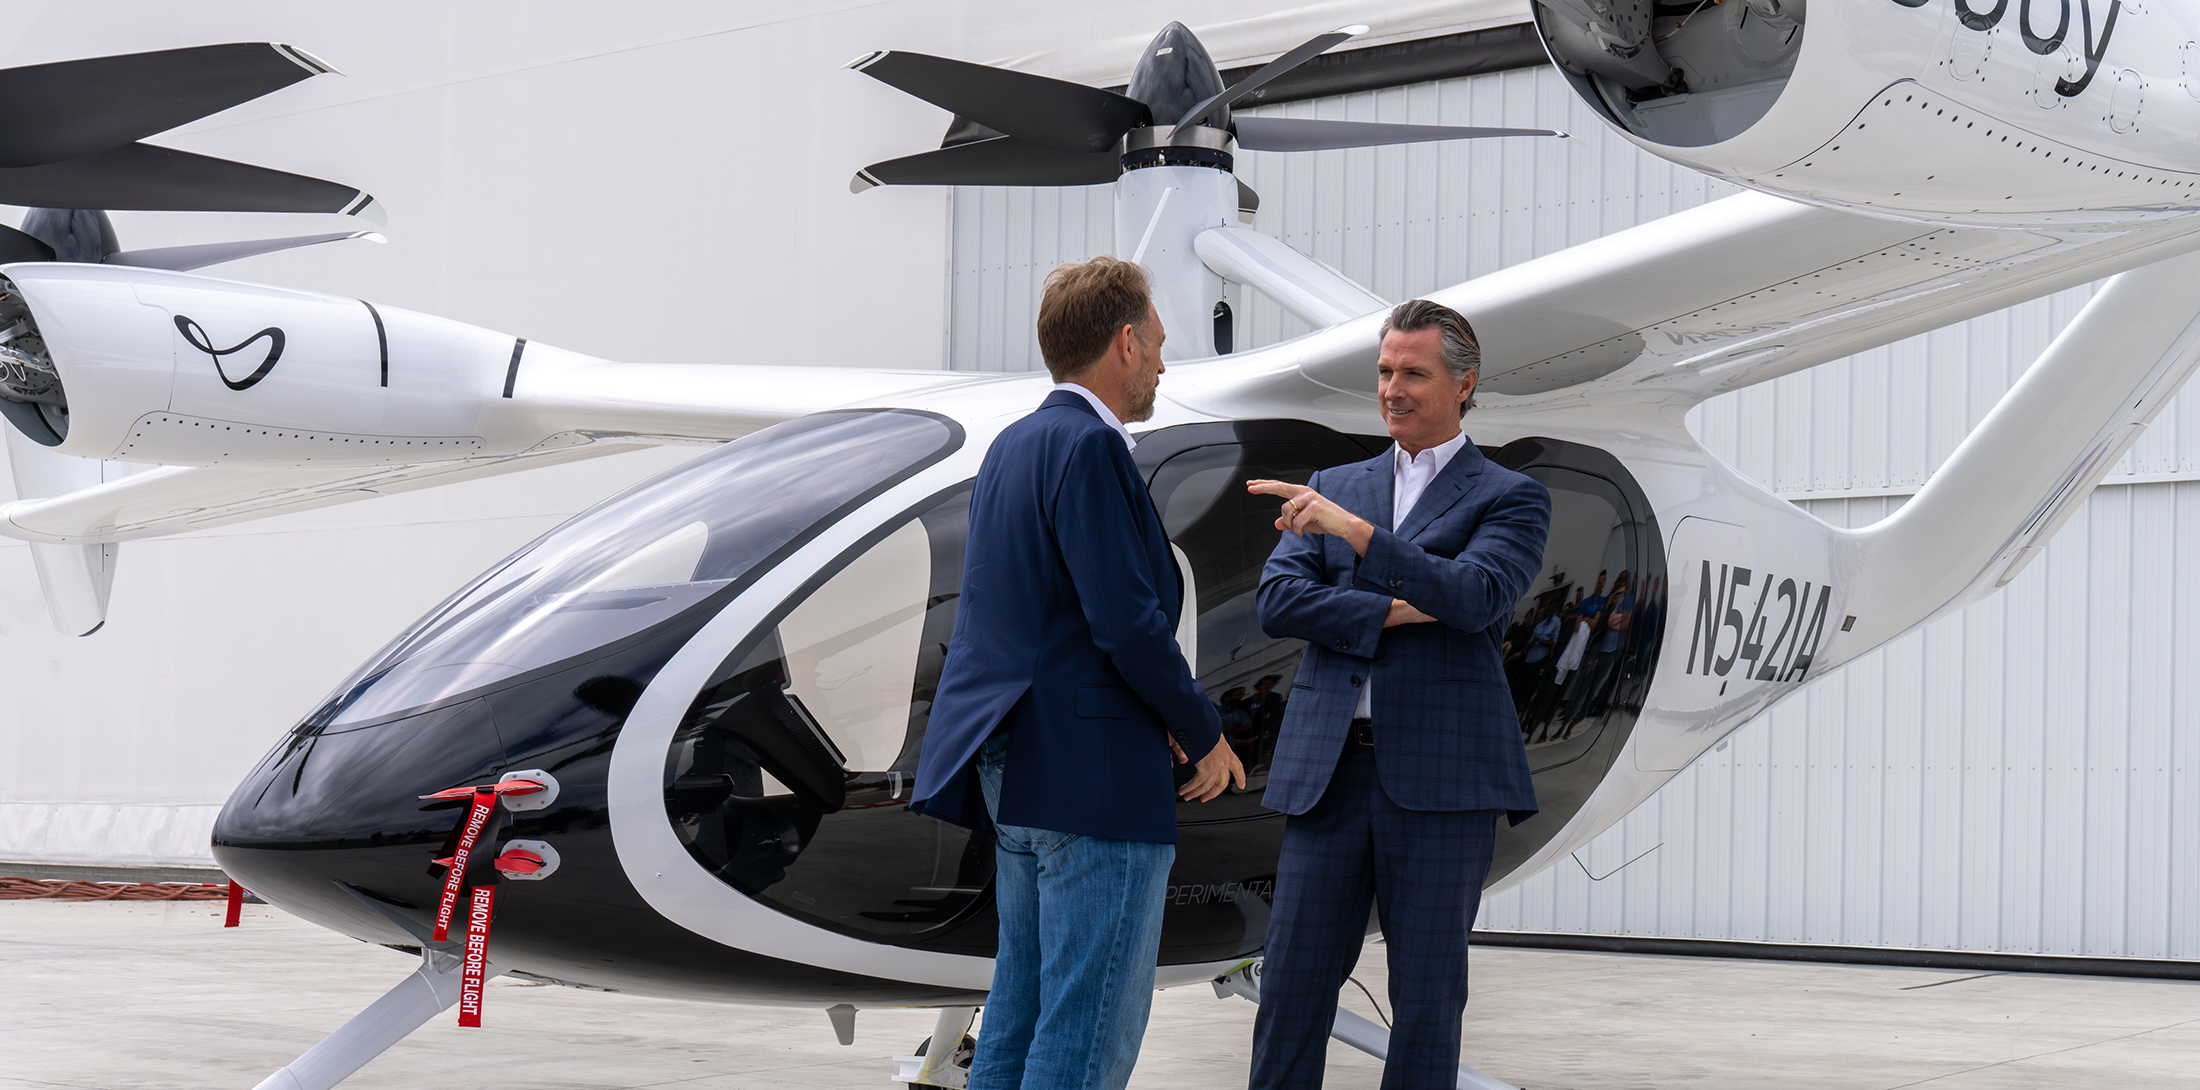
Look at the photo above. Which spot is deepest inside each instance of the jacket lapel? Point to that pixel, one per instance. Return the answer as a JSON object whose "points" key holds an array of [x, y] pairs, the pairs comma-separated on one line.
{"points": [[1445, 490], [1374, 483], [1167, 578], [1365, 491]]}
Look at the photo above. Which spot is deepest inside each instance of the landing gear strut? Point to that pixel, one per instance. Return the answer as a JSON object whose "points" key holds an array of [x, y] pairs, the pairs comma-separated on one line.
{"points": [[937, 1067], [1244, 981], [430, 990]]}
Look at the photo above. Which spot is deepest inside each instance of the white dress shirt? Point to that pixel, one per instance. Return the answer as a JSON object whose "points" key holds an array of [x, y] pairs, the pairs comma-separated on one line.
{"points": [[1410, 476], [1107, 415]]}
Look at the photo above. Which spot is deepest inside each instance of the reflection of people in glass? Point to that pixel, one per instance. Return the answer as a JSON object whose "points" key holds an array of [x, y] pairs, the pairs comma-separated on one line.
{"points": [[1267, 706], [1232, 709], [1536, 661], [1238, 726], [1398, 752], [1610, 642], [1592, 607], [1565, 686], [1644, 635], [1642, 643]]}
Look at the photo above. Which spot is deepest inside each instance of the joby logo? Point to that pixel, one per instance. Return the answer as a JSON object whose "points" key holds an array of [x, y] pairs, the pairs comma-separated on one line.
{"points": [[2028, 29], [193, 333]]}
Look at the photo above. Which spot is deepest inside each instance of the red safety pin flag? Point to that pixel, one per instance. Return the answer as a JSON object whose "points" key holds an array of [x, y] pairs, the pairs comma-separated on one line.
{"points": [[473, 969], [504, 787], [477, 818], [236, 904]]}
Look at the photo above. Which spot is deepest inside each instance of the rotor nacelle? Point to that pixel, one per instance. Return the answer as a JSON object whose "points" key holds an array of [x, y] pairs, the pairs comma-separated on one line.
{"points": [[144, 365], [2036, 115]]}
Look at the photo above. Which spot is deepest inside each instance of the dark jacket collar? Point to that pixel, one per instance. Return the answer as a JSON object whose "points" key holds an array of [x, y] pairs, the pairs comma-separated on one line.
{"points": [[1057, 398]]}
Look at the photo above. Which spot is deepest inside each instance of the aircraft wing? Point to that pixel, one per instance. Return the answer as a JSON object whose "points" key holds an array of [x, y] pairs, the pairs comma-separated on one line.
{"points": [[179, 499], [1730, 294], [76, 510], [623, 407]]}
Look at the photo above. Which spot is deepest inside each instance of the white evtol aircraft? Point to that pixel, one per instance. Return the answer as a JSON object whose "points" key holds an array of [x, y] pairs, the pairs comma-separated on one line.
{"points": [[717, 680]]}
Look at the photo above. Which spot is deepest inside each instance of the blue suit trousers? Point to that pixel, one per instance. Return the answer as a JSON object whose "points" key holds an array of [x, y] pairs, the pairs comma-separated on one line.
{"points": [[1422, 872]]}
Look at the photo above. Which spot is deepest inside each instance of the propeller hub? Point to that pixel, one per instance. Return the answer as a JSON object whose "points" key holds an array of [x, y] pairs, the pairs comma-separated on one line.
{"points": [[1179, 146]]}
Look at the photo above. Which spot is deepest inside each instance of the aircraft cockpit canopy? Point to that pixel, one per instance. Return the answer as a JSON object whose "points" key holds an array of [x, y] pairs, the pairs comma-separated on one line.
{"points": [[698, 531]]}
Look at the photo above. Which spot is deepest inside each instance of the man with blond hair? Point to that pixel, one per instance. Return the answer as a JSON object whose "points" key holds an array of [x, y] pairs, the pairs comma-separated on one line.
{"points": [[1064, 695]]}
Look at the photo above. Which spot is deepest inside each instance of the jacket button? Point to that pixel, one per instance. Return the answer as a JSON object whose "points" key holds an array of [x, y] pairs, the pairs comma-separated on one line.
{"points": [[1397, 584], [1344, 645], [1355, 679]]}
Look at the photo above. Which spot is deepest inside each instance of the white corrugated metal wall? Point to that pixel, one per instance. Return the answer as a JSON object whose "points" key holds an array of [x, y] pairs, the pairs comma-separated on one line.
{"points": [[2022, 776]]}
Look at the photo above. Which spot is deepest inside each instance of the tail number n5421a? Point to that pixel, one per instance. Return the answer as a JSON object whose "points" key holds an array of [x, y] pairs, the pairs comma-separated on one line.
{"points": [[1719, 609]]}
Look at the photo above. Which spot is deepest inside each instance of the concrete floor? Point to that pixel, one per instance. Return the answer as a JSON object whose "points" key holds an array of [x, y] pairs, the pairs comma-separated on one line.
{"points": [[115, 995]]}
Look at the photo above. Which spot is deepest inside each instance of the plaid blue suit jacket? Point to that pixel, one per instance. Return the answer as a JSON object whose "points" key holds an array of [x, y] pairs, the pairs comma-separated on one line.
{"points": [[1447, 737]]}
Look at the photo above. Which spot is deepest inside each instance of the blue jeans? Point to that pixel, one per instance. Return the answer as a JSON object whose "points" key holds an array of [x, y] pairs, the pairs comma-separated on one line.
{"points": [[1080, 931]]}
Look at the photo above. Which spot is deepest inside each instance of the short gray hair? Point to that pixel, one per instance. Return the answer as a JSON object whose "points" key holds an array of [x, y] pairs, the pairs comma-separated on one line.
{"points": [[1462, 350]]}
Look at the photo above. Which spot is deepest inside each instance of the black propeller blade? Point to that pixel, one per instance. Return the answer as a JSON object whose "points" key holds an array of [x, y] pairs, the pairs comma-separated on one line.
{"points": [[1038, 110], [1003, 160], [17, 246], [143, 177], [1310, 134], [72, 108], [1015, 128], [1313, 47]]}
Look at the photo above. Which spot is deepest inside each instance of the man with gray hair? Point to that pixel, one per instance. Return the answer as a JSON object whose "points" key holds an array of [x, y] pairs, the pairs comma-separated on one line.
{"points": [[1400, 745]]}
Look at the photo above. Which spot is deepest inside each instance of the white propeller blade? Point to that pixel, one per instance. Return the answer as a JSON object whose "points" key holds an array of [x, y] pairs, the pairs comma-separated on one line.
{"points": [[185, 258]]}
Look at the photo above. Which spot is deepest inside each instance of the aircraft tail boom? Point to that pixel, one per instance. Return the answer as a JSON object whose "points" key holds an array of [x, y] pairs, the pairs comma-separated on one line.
{"points": [[1991, 508]]}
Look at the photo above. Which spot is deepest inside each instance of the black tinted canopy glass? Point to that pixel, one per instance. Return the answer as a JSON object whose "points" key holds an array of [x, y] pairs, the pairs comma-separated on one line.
{"points": [[643, 556]]}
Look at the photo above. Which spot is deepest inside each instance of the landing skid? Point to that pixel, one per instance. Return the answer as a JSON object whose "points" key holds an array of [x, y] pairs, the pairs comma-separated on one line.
{"points": [[1244, 981], [431, 989]]}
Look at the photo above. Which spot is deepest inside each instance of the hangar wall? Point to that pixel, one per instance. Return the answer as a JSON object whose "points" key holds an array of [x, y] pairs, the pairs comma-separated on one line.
{"points": [[2021, 776]]}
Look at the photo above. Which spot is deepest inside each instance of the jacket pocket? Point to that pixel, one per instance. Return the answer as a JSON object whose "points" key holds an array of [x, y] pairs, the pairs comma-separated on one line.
{"points": [[1113, 702]]}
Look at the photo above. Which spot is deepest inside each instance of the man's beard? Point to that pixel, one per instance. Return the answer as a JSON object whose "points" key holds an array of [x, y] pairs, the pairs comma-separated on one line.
{"points": [[1141, 408]]}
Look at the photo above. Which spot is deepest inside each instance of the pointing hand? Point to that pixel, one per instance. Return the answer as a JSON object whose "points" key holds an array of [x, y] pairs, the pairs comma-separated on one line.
{"points": [[1306, 511]]}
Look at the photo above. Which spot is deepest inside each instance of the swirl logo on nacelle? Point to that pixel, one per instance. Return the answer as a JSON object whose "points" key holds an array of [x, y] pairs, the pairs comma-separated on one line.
{"points": [[196, 334], [2093, 51]]}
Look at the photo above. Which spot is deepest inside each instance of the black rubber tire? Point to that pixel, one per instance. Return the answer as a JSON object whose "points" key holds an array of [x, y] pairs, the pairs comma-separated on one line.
{"points": [[968, 1042]]}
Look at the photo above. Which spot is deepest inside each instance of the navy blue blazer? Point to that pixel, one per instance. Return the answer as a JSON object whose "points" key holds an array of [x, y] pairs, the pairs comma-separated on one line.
{"points": [[1066, 634], [1447, 736]]}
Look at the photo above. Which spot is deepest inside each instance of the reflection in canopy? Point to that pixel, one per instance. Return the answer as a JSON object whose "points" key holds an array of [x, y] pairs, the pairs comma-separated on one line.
{"points": [[641, 557]]}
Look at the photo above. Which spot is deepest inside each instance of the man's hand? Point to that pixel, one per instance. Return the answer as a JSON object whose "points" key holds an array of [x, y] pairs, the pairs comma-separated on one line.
{"points": [[1215, 771], [1306, 511], [1402, 612]]}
